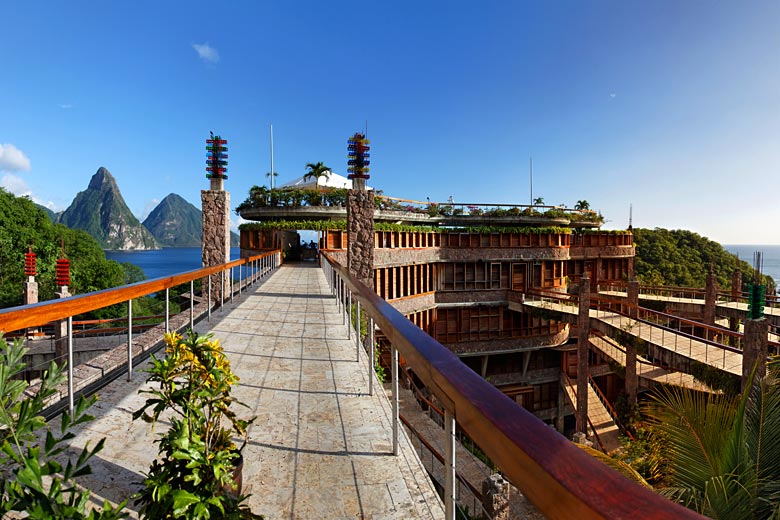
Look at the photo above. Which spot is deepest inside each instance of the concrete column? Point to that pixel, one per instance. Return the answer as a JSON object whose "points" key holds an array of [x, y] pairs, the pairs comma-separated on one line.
{"points": [[216, 234], [755, 349], [710, 298], [360, 232], [495, 497], [583, 346], [632, 381], [61, 332]]}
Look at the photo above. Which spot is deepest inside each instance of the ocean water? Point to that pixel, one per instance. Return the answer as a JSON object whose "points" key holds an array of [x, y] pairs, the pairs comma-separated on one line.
{"points": [[770, 254], [172, 260], [165, 261]]}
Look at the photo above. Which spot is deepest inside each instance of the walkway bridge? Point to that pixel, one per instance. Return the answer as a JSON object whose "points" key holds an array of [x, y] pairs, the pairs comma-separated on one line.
{"points": [[649, 373], [602, 419], [661, 338], [691, 301], [327, 442]]}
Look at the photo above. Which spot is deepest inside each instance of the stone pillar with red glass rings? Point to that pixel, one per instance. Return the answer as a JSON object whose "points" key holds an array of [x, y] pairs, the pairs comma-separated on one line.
{"points": [[360, 212], [62, 278], [30, 271], [215, 202]]}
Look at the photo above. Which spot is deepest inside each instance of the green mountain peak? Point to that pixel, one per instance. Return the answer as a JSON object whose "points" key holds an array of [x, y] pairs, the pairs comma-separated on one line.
{"points": [[101, 211]]}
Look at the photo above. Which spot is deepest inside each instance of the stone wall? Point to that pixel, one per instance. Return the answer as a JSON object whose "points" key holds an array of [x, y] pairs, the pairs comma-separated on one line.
{"points": [[498, 346], [503, 253], [386, 257], [592, 252], [360, 235], [412, 304], [216, 237]]}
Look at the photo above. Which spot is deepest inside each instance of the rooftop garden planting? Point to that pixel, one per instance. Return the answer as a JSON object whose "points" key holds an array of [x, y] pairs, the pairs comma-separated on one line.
{"points": [[341, 225], [263, 197]]}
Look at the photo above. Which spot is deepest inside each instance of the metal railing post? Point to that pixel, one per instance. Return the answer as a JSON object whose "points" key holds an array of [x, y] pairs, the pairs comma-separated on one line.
{"points": [[449, 460], [394, 375], [357, 331], [349, 315], [209, 300], [232, 285], [222, 291], [343, 303], [371, 356], [129, 340], [167, 311], [70, 365], [192, 303]]}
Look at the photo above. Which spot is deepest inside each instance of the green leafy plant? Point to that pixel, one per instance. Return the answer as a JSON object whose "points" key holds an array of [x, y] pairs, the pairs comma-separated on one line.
{"points": [[32, 480], [724, 452], [193, 477], [378, 368]]}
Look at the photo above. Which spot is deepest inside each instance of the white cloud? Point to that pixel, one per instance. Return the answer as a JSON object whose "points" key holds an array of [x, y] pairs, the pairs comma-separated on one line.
{"points": [[13, 159], [235, 221], [66, 106], [206, 52], [19, 187], [148, 208], [15, 185]]}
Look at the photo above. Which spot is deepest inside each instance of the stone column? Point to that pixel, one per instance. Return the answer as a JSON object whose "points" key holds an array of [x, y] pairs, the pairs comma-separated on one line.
{"points": [[30, 290], [710, 298], [495, 497], [360, 232], [583, 347], [30, 296], [755, 349], [736, 293], [216, 235], [61, 332], [561, 417], [632, 381]]}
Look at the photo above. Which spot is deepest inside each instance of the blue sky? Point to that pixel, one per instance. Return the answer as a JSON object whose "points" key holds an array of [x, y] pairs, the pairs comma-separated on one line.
{"points": [[673, 107]]}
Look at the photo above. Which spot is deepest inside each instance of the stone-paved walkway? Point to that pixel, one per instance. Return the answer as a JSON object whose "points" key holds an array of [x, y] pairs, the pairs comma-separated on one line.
{"points": [[321, 447]]}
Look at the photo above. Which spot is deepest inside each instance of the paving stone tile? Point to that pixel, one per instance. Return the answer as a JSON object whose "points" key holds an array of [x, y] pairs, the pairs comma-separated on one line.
{"points": [[320, 446]]}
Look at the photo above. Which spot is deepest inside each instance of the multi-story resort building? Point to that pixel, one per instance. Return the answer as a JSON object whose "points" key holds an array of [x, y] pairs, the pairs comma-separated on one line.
{"points": [[460, 273]]}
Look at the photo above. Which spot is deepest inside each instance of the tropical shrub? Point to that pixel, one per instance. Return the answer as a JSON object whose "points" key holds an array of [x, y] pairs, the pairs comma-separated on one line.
{"points": [[193, 473], [723, 452], [32, 480]]}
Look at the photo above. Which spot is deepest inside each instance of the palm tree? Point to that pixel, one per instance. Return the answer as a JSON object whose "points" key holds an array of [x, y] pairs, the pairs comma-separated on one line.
{"points": [[316, 171], [582, 205], [272, 176], [539, 201], [724, 453]]}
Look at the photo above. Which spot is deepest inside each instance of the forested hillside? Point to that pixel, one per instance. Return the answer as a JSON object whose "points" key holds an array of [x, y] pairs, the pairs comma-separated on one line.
{"points": [[22, 224], [682, 258]]}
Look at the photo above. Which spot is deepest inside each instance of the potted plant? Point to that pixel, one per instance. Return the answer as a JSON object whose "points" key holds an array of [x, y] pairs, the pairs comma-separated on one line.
{"points": [[195, 474]]}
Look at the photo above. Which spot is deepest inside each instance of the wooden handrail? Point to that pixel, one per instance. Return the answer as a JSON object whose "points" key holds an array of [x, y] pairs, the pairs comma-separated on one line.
{"points": [[35, 314], [561, 480]]}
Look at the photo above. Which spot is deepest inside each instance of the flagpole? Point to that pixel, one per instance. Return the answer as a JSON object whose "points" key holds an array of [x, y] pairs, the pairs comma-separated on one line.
{"points": [[272, 156]]}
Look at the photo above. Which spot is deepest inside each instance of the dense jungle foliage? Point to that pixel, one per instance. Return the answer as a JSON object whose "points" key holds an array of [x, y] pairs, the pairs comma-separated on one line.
{"points": [[22, 224], [683, 258]]}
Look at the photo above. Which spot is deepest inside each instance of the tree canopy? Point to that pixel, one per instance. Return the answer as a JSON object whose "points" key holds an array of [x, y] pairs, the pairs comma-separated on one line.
{"points": [[24, 224], [683, 258]]}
